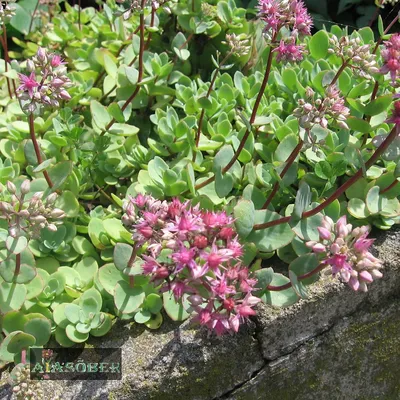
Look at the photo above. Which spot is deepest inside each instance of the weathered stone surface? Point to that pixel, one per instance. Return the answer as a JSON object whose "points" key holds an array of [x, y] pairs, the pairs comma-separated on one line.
{"points": [[337, 344], [358, 358]]}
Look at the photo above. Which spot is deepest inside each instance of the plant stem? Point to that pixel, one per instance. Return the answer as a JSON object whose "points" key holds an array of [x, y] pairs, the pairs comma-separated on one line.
{"points": [[37, 149], [300, 278], [203, 111], [7, 61], [17, 265], [289, 163], [153, 17], [385, 144], [255, 109], [33, 17], [79, 15], [140, 75], [376, 14], [130, 264], [391, 186], [23, 356], [380, 40]]}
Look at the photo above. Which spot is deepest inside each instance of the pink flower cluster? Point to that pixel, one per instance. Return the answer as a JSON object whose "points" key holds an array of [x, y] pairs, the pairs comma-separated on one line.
{"points": [[391, 57], [49, 88], [395, 117], [288, 51], [291, 14], [197, 254], [346, 250]]}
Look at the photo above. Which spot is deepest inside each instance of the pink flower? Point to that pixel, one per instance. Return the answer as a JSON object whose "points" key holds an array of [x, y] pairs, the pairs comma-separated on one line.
{"points": [[289, 52], [391, 57], [28, 83], [56, 61], [216, 256], [185, 257], [395, 117], [220, 287], [324, 233]]}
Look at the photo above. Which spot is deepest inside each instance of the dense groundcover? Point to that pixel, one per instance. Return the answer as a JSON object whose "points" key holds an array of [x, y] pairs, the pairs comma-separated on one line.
{"points": [[156, 154]]}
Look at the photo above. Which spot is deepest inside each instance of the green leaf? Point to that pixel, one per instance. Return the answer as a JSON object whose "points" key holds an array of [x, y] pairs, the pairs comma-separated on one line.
{"points": [[122, 255], [74, 335], [110, 66], [59, 173], [59, 315], [142, 316], [87, 269], [375, 203], [72, 312], [100, 115], [357, 208], [303, 200], [175, 310], [104, 327], [153, 303], [155, 321], [319, 44], [303, 265], [20, 341], [282, 298], [127, 299], [264, 277], [68, 203], [272, 238], [13, 321], [62, 338], [40, 328], [378, 105], [108, 277], [244, 217], [358, 125], [16, 245], [12, 296]]}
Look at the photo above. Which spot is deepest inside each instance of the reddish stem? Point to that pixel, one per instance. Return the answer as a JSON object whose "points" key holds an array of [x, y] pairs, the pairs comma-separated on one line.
{"points": [[391, 186], [380, 40], [393, 134], [17, 265], [37, 149], [289, 163], [33, 16], [300, 278], [140, 76]]}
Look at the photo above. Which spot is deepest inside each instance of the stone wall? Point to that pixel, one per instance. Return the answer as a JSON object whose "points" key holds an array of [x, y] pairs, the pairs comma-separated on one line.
{"points": [[335, 345]]}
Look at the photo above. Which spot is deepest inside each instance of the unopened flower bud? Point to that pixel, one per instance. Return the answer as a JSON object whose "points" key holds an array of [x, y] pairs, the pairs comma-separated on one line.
{"points": [[52, 228], [11, 187], [50, 199], [41, 54], [25, 186], [195, 300], [57, 213]]}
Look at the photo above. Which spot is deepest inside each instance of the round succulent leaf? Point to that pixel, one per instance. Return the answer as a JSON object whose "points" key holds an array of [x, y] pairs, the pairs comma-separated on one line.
{"points": [[96, 230], [392, 209], [13, 321], [62, 338], [16, 245], [306, 229], [71, 276], [59, 316], [5, 354], [87, 269], [34, 287], [97, 320], [115, 229], [142, 316], [283, 298], [26, 274], [264, 277], [357, 208], [270, 239], [153, 303], [303, 265], [375, 203], [49, 264], [175, 310], [298, 286], [127, 299], [122, 255], [244, 217], [104, 327], [89, 306], [74, 335], [108, 277], [20, 341], [12, 296], [155, 321], [83, 328], [40, 328], [94, 294], [83, 246], [72, 312], [59, 173], [68, 202]]}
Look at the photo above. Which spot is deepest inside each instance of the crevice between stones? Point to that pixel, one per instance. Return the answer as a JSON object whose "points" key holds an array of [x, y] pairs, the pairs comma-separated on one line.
{"points": [[268, 361]]}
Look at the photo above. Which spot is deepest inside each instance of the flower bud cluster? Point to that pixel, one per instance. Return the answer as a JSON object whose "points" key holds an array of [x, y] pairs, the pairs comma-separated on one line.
{"points": [[47, 83], [312, 112], [197, 254], [23, 387], [209, 10], [238, 44], [362, 60], [7, 11], [346, 250], [391, 58], [289, 14], [288, 51], [29, 217]]}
